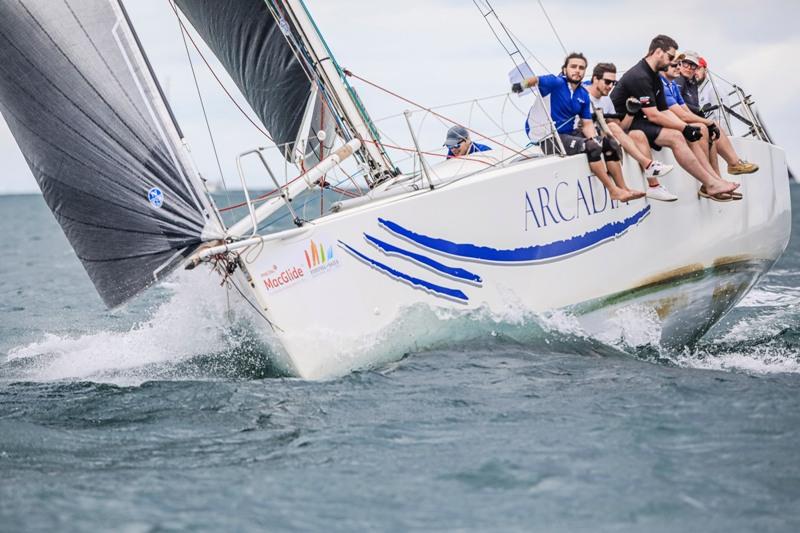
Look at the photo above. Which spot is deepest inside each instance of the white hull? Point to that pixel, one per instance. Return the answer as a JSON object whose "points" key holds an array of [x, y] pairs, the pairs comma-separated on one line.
{"points": [[534, 236]]}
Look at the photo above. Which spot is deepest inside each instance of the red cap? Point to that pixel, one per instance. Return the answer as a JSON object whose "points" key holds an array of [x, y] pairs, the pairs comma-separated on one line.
{"points": [[703, 63]]}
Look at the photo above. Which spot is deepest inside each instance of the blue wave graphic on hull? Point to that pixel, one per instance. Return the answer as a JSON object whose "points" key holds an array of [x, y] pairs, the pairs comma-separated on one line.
{"points": [[453, 272], [437, 290], [541, 252]]}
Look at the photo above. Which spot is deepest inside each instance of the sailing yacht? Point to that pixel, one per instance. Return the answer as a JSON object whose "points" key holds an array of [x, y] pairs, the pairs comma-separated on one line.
{"points": [[499, 234]]}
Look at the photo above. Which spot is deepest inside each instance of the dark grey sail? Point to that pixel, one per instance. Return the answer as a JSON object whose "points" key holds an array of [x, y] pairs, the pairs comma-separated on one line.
{"points": [[252, 47], [81, 102]]}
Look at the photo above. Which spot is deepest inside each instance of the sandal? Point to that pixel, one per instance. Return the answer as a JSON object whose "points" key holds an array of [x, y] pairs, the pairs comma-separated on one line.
{"points": [[719, 197]]}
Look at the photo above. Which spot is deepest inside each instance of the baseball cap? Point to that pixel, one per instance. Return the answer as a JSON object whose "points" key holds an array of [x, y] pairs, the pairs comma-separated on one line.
{"points": [[455, 135], [691, 56]]}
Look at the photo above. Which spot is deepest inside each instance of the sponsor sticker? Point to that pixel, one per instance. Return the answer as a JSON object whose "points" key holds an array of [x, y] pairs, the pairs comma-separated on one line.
{"points": [[155, 197], [314, 259]]}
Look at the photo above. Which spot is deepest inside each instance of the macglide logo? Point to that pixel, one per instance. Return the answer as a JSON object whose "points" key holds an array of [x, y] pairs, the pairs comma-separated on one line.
{"points": [[320, 259], [273, 281]]}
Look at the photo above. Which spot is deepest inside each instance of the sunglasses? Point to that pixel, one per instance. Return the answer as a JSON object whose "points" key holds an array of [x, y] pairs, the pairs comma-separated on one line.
{"points": [[689, 65], [670, 56], [674, 65], [609, 82], [456, 145]]}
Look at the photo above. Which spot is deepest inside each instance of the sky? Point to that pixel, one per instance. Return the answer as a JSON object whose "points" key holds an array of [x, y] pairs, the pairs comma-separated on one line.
{"points": [[435, 52]]}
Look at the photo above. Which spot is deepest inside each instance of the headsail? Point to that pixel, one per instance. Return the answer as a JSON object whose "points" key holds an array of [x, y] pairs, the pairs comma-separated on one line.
{"points": [[86, 111], [251, 46]]}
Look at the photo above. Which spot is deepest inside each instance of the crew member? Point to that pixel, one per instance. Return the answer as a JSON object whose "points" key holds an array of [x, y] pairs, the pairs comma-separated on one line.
{"points": [[604, 78], [459, 144], [571, 112], [661, 126]]}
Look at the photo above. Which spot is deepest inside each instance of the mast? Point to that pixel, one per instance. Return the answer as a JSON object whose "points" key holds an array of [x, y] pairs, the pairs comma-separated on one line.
{"points": [[342, 95]]}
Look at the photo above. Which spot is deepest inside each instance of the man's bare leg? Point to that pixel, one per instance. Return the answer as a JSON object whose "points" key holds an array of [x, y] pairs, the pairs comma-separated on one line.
{"points": [[640, 139], [713, 156], [726, 149], [616, 193], [701, 150], [615, 169], [673, 140], [629, 145]]}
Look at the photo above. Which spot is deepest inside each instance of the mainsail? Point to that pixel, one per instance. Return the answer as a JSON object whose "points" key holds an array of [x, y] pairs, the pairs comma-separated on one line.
{"points": [[87, 112]]}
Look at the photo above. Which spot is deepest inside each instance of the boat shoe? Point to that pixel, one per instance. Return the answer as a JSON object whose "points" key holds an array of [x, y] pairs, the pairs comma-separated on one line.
{"points": [[742, 167]]}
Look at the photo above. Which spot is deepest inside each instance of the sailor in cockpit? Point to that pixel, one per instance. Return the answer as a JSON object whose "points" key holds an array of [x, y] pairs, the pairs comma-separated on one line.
{"points": [[459, 144]]}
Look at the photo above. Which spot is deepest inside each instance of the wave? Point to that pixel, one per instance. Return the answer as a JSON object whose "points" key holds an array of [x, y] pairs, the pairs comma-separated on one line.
{"points": [[200, 332]]}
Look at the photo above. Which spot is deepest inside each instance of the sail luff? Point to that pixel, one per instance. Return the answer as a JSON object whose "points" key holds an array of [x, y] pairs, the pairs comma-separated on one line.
{"points": [[166, 122]]}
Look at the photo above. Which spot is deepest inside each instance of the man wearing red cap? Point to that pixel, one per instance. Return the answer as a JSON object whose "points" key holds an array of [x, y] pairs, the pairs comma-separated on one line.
{"points": [[687, 81]]}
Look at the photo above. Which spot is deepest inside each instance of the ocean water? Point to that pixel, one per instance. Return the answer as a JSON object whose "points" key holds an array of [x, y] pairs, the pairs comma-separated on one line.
{"points": [[170, 415]]}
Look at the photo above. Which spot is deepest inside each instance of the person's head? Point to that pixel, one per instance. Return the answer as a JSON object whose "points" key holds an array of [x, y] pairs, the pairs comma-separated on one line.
{"points": [[702, 70], [662, 51], [689, 64], [674, 68], [604, 77], [574, 67], [458, 141]]}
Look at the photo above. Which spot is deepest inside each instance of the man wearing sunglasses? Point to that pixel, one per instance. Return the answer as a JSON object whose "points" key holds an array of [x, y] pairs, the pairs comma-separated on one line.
{"points": [[604, 78], [661, 126], [683, 71], [459, 144], [571, 113]]}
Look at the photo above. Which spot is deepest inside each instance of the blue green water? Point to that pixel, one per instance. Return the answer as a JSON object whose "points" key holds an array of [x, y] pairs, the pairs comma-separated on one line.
{"points": [[168, 415]]}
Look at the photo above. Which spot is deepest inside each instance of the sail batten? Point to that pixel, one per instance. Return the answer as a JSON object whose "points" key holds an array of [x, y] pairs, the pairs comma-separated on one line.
{"points": [[89, 116]]}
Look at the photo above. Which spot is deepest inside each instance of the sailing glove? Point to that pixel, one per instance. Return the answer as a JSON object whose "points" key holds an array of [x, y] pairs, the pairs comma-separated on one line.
{"points": [[713, 131], [633, 105], [692, 133], [516, 88]]}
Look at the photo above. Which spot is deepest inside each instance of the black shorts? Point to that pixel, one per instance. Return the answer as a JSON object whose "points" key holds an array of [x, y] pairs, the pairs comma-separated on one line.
{"points": [[573, 144], [650, 130]]}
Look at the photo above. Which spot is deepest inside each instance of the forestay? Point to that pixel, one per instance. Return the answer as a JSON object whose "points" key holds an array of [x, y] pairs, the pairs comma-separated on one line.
{"points": [[86, 110]]}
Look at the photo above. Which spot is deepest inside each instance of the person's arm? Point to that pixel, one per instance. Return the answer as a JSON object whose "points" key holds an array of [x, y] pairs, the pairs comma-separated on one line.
{"points": [[588, 129], [527, 83]]}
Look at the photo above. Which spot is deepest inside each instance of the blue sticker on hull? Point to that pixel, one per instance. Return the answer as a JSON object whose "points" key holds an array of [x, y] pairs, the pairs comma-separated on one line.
{"points": [[453, 272], [527, 254], [433, 288]]}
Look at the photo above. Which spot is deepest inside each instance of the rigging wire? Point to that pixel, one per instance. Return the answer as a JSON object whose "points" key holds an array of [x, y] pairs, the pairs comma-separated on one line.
{"points": [[205, 114], [553, 27], [429, 110]]}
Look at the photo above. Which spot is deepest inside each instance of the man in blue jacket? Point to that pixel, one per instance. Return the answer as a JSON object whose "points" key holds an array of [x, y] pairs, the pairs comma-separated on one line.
{"points": [[571, 112], [459, 144]]}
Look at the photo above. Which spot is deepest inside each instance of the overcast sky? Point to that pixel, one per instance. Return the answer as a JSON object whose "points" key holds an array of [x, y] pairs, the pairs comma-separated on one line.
{"points": [[436, 52]]}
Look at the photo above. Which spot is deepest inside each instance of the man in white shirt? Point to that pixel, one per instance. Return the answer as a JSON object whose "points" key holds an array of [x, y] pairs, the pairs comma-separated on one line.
{"points": [[604, 77]]}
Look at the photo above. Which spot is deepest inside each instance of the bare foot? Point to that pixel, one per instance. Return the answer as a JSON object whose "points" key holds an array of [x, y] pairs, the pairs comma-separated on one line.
{"points": [[621, 195], [721, 186]]}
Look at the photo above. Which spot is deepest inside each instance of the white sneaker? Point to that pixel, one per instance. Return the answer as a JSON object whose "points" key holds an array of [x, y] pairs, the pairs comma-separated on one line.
{"points": [[659, 192], [656, 169]]}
